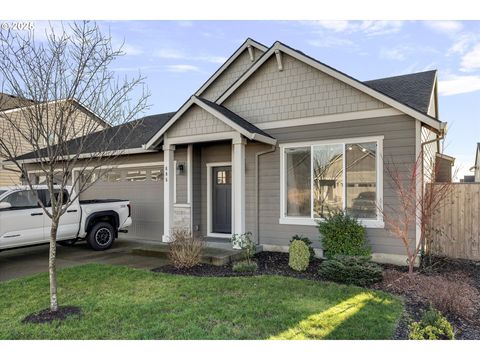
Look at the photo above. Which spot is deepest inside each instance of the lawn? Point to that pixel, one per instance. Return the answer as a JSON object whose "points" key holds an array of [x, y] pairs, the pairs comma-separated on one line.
{"points": [[123, 303]]}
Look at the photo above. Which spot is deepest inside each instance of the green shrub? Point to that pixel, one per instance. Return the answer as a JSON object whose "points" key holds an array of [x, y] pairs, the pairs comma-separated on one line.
{"points": [[245, 242], [357, 270], [245, 266], [343, 235], [307, 242], [432, 326], [299, 255]]}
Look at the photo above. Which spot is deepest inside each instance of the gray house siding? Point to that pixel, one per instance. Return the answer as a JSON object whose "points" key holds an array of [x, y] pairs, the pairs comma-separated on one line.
{"points": [[232, 73], [181, 179], [298, 91], [399, 144], [197, 121]]}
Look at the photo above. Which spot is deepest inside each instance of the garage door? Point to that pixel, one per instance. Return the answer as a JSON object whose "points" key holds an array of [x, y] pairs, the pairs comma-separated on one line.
{"points": [[143, 186]]}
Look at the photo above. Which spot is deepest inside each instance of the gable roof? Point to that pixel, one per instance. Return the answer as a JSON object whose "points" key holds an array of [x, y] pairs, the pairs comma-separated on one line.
{"points": [[414, 90], [387, 99], [8, 102], [136, 132], [230, 60], [228, 117]]}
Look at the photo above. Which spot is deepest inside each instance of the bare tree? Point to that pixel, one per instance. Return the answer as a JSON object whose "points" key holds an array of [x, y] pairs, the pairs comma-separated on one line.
{"points": [[61, 77], [419, 196]]}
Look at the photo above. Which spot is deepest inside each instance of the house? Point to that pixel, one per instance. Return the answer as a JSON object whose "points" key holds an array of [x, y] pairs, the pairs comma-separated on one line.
{"points": [[273, 141], [18, 109], [476, 167]]}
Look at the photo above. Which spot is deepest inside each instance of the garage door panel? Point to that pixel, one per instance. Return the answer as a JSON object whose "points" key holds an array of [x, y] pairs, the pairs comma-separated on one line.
{"points": [[145, 195]]}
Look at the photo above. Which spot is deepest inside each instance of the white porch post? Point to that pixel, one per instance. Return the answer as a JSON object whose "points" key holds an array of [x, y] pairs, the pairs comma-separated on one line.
{"points": [[168, 191], [238, 175]]}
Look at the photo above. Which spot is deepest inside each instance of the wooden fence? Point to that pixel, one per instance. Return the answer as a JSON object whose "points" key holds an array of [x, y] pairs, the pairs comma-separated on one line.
{"points": [[457, 223]]}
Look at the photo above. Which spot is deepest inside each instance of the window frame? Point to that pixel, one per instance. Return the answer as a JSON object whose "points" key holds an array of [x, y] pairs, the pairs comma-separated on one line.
{"points": [[311, 221]]}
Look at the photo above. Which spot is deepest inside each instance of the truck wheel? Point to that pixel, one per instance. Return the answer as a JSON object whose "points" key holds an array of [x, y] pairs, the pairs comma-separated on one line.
{"points": [[101, 236]]}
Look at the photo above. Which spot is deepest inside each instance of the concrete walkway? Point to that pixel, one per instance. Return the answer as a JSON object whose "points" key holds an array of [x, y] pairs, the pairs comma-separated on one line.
{"points": [[33, 260]]}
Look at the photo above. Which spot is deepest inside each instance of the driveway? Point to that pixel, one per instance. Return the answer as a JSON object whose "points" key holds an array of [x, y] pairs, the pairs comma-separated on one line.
{"points": [[33, 260]]}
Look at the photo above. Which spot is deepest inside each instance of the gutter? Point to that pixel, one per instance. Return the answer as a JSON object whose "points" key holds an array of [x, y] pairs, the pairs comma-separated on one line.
{"points": [[273, 148]]}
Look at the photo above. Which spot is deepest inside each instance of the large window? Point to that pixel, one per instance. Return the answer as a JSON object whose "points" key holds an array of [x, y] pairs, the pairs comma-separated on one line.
{"points": [[324, 177]]}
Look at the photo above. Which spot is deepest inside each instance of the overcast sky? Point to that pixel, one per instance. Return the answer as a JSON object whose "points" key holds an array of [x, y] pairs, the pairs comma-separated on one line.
{"points": [[179, 56]]}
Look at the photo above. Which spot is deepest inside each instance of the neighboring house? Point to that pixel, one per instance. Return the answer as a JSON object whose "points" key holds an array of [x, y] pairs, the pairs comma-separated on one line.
{"points": [[271, 142], [468, 179], [476, 167], [13, 106]]}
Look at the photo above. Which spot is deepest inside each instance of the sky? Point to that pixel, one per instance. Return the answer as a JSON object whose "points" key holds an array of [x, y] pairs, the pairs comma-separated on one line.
{"points": [[177, 57]]}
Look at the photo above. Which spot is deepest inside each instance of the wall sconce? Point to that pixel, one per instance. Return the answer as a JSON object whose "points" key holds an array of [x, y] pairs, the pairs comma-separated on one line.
{"points": [[180, 169]]}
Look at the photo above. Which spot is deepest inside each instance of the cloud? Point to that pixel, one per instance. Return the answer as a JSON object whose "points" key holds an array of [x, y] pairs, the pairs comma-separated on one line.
{"points": [[132, 50], [368, 27], [178, 55], [455, 84], [398, 53], [330, 41], [445, 26], [462, 43], [471, 60], [182, 68]]}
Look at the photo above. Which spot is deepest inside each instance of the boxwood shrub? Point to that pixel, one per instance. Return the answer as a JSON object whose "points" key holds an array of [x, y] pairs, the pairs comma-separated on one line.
{"points": [[357, 270], [298, 255], [307, 242], [342, 234]]}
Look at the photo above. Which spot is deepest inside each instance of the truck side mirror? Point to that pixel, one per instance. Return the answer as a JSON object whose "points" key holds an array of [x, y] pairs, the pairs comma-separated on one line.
{"points": [[5, 205]]}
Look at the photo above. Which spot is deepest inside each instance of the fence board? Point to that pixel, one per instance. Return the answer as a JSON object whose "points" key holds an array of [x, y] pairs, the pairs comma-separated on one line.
{"points": [[456, 223]]}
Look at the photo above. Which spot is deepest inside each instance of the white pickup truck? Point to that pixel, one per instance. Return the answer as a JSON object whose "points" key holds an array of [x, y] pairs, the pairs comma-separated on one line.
{"points": [[23, 221]]}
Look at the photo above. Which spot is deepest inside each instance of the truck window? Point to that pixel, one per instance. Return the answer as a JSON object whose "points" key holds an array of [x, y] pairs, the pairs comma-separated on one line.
{"points": [[56, 194], [22, 199]]}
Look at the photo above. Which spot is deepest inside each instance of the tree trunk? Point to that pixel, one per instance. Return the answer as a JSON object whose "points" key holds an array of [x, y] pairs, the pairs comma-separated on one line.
{"points": [[52, 266]]}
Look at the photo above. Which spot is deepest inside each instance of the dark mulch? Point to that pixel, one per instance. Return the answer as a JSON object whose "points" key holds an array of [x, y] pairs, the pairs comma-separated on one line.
{"points": [[464, 271], [47, 316], [269, 263]]}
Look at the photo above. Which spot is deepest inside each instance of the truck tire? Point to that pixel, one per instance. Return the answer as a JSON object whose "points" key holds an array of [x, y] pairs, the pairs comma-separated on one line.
{"points": [[101, 236]]}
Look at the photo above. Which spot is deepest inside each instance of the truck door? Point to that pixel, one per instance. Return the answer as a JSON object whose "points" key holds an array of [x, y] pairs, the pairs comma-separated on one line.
{"points": [[69, 221], [23, 222]]}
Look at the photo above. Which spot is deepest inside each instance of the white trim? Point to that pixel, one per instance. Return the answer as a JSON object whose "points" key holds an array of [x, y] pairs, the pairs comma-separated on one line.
{"points": [[190, 183], [419, 184], [89, 155], [168, 187], [311, 221], [227, 135], [278, 55], [323, 119], [209, 198], [334, 73], [181, 205], [238, 185], [248, 44]]}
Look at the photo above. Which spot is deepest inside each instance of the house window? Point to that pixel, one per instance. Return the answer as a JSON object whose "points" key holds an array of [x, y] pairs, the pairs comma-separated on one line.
{"points": [[324, 177]]}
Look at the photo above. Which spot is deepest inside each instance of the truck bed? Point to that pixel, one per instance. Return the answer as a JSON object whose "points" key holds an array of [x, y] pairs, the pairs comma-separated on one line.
{"points": [[100, 201]]}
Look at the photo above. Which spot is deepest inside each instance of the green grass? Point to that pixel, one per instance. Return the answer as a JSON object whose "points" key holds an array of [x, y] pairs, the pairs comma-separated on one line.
{"points": [[123, 303]]}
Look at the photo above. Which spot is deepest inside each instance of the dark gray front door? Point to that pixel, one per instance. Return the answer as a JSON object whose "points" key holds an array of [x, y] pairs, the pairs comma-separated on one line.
{"points": [[222, 199]]}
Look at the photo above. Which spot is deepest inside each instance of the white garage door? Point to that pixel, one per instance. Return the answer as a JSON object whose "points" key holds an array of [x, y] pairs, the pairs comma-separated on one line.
{"points": [[143, 186]]}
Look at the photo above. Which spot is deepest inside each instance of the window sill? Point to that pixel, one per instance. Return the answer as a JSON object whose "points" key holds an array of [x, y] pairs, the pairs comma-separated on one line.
{"points": [[371, 224]]}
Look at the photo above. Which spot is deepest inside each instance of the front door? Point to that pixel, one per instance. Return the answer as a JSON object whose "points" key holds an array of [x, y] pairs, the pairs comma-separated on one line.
{"points": [[222, 200]]}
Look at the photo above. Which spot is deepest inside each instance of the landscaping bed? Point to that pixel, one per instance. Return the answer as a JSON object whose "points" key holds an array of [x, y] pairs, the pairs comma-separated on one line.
{"points": [[451, 286], [269, 263]]}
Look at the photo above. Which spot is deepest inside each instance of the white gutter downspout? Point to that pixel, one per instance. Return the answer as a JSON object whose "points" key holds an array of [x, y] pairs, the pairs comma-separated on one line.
{"points": [[257, 215]]}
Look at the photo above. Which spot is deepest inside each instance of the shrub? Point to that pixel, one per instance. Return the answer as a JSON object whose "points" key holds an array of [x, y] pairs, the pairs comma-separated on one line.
{"points": [[343, 235], [307, 242], [185, 249], [244, 242], [432, 326], [245, 266], [299, 255], [452, 293], [357, 270]]}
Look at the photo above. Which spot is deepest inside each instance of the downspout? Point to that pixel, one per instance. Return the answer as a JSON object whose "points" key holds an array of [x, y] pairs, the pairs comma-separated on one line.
{"points": [[257, 215]]}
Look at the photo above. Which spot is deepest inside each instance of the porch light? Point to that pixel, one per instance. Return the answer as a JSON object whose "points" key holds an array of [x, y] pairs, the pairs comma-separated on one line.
{"points": [[180, 169]]}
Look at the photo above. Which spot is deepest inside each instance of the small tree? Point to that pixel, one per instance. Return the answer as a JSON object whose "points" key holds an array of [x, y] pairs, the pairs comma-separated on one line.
{"points": [[70, 68], [418, 197]]}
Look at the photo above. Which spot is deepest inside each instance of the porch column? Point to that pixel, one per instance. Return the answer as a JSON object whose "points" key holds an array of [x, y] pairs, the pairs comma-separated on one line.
{"points": [[168, 191], [238, 169]]}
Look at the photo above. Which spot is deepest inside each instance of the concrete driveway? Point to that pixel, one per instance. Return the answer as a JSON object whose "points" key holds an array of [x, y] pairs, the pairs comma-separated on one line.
{"points": [[33, 260]]}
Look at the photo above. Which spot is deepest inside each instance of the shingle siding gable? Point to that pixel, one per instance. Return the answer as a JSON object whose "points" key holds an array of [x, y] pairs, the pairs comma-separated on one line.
{"points": [[230, 75], [298, 91], [196, 121]]}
